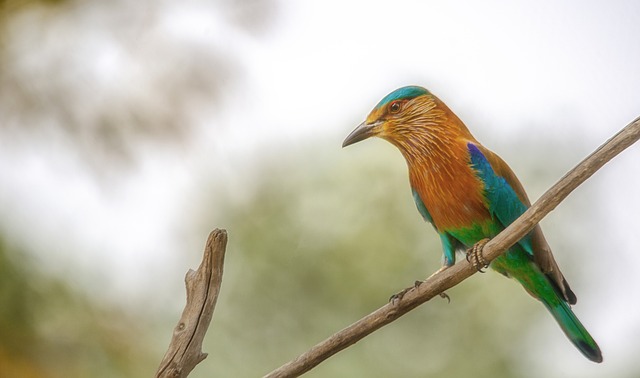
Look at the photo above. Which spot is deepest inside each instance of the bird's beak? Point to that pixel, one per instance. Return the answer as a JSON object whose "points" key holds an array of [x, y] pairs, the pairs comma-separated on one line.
{"points": [[362, 132]]}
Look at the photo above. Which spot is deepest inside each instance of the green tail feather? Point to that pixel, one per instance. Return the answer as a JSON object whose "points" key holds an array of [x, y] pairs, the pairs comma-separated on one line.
{"points": [[574, 330], [517, 264]]}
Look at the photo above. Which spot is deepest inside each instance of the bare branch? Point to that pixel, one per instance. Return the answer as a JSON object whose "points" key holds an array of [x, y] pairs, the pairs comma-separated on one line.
{"points": [[462, 270], [203, 286]]}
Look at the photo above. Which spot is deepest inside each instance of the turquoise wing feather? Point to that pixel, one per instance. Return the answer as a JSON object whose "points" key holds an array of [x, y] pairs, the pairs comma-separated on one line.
{"points": [[502, 200]]}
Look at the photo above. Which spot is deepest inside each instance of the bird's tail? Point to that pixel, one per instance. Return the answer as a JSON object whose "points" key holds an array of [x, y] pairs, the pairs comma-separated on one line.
{"points": [[541, 287], [572, 327]]}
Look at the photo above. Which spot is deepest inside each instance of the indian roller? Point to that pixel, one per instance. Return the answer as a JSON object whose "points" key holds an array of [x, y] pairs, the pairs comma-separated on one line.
{"points": [[469, 194]]}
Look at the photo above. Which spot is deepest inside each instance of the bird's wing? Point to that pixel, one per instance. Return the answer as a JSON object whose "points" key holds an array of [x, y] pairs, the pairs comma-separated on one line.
{"points": [[507, 200], [502, 199]]}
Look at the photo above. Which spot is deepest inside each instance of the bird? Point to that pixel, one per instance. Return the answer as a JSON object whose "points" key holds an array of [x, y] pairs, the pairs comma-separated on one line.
{"points": [[469, 194]]}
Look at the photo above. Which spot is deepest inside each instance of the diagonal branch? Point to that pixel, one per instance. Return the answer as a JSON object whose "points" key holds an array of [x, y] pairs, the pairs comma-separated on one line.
{"points": [[203, 287], [459, 272]]}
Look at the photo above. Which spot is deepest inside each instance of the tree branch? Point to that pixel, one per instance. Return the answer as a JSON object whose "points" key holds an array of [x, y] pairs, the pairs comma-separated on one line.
{"points": [[203, 286], [462, 270]]}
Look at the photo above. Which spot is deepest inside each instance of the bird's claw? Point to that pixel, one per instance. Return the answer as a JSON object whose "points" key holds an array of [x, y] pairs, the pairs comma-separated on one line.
{"points": [[474, 256], [398, 296]]}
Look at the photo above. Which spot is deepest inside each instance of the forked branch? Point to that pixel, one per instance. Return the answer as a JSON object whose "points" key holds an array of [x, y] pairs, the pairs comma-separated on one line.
{"points": [[203, 286]]}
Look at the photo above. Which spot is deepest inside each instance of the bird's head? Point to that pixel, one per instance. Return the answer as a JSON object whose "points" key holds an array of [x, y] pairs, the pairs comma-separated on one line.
{"points": [[396, 116]]}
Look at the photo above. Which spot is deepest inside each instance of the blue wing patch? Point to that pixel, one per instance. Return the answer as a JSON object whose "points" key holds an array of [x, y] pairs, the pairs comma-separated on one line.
{"points": [[502, 200]]}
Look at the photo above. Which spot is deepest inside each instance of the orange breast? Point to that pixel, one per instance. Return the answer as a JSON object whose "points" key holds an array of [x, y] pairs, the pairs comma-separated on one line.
{"points": [[450, 191]]}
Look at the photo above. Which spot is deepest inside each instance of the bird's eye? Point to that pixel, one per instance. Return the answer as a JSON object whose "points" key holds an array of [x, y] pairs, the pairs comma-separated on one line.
{"points": [[394, 107]]}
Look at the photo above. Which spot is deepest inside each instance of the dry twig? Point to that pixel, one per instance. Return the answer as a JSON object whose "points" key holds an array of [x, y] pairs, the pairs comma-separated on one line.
{"points": [[203, 286]]}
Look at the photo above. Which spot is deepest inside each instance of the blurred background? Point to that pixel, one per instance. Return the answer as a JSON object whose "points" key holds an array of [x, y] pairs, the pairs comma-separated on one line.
{"points": [[129, 130]]}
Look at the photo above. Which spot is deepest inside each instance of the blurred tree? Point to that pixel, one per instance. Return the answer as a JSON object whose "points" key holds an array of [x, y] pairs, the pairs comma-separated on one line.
{"points": [[96, 82], [48, 329], [17, 334], [100, 79]]}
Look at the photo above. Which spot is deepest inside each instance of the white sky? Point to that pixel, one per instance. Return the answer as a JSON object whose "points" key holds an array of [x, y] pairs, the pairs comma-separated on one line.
{"points": [[316, 73]]}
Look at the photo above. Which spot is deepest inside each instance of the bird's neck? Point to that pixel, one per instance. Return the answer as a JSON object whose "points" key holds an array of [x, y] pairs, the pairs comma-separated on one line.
{"points": [[437, 146], [439, 163], [431, 134]]}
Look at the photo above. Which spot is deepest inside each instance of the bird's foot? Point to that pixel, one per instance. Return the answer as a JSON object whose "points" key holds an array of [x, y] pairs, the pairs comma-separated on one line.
{"points": [[474, 256], [444, 295], [398, 296]]}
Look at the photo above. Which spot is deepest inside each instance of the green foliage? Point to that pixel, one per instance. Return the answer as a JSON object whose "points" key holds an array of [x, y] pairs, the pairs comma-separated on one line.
{"points": [[48, 329]]}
